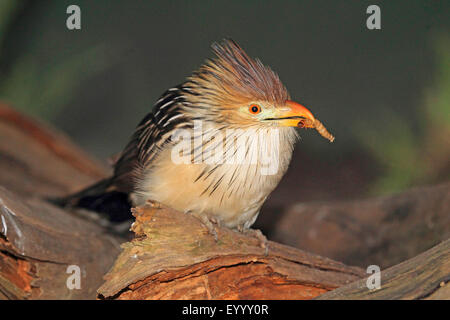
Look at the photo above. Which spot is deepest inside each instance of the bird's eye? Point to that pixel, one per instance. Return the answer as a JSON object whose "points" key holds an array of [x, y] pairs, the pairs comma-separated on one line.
{"points": [[255, 109]]}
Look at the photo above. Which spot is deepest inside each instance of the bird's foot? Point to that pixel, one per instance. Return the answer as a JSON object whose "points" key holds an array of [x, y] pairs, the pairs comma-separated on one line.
{"points": [[208, 224], [256, 233]]}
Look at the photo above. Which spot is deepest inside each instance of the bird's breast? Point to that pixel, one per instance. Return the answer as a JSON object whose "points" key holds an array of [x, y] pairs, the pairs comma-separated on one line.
{"points": [[227, 181]]}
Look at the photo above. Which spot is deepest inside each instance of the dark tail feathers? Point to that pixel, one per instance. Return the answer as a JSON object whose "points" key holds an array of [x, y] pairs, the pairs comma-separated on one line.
{"points": [[99, 197]]}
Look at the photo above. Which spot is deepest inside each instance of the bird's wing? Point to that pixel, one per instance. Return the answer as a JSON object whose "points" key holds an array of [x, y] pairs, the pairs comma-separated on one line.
{"points": [[151, 135]]}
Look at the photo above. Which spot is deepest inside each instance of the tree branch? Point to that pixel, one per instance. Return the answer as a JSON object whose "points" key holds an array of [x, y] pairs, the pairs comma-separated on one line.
{"points": [[174, 257]]}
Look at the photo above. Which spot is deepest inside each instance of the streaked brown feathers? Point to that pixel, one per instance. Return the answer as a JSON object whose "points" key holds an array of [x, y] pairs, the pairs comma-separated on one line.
{"points": [[232, 78]]}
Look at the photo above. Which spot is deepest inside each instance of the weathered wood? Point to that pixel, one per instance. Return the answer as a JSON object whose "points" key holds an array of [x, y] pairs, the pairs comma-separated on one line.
{"points": [[39, 241], [383, 231], [426, 276], [174, 257]]}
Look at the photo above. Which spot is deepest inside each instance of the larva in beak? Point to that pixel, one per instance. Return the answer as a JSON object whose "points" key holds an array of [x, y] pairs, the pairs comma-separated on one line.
{"points": [[316, 124]]}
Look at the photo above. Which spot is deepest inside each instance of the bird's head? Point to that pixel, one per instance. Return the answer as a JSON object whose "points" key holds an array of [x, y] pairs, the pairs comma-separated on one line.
{"points": [[238, 91]]}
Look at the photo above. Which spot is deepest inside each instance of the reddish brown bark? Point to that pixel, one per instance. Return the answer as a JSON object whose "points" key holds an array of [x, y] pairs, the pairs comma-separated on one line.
{"points": [[38, 241], [426, 276], [174, 257]]}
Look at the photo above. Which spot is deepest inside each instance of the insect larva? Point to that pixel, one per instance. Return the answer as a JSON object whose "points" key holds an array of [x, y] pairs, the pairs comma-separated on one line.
{"points": [[323, 131], [316, 124]]}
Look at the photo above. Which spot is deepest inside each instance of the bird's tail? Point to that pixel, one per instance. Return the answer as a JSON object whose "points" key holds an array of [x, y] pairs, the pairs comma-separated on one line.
{"points": [[101, 197]]}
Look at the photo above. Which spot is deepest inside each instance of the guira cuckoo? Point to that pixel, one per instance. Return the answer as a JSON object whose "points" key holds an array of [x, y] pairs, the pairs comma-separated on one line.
{"points": [[229, 92]]}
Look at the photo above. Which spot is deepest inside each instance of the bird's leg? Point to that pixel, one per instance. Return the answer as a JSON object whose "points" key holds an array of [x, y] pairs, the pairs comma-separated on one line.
{"points": [[207, 223], [256, 233]]}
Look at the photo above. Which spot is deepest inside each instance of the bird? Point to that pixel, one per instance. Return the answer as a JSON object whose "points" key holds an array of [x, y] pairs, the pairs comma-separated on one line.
{"points": [[230, 95]]}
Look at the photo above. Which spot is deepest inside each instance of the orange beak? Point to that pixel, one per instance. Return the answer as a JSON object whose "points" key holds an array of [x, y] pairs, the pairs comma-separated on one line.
{"points": [[294, 114]]}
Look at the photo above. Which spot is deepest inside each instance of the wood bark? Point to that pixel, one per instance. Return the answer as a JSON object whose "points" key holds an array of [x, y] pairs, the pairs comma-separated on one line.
{"points": [[174, 257], [39, 241], [426, 276]]}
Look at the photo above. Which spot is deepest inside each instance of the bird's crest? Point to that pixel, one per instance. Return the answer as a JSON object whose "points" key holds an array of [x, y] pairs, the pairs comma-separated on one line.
{"points": [[232, 77]]}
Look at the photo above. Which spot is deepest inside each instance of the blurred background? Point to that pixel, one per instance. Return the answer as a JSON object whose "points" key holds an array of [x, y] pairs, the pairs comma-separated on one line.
{"points": [[384, 94]]}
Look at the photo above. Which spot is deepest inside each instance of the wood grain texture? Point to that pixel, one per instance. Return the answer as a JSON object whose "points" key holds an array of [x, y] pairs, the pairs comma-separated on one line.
{"points": [[426, 276], [38, 241], [174, 257]]}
